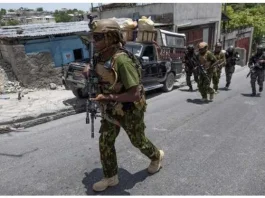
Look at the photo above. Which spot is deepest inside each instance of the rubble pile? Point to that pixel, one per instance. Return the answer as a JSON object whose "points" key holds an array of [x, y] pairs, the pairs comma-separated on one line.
{"points": [[8, 82]]}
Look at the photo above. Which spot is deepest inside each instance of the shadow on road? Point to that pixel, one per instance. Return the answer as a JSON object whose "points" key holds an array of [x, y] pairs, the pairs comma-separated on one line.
{"points": [[224, 89], [187, 90], [197, 101], [249, 95], [126, 181]]}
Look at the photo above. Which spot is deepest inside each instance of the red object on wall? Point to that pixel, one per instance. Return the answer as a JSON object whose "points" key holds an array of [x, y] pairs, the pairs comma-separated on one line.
{"points": [[244, 43]]}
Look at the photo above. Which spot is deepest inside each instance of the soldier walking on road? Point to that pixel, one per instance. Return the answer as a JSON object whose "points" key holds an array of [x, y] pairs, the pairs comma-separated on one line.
{"points": [[257, 67], [206, 60], [122, 101], [231, 58], [189, 67], [219, 55]]}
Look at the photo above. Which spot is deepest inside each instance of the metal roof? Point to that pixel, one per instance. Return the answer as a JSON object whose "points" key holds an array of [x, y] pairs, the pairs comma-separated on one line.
{"points": [[34, 30]]}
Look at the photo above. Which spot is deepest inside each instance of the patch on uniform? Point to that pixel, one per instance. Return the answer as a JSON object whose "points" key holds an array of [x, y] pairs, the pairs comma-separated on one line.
{"points": [[107, 64]]}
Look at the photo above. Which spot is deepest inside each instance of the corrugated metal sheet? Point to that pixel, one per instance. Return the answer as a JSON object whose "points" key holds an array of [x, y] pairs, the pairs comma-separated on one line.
{"points": [[34, 30]]}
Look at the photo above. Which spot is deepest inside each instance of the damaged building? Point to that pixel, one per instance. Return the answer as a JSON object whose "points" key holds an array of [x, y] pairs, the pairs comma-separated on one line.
{"points": [[198, 21], [33, 55]]}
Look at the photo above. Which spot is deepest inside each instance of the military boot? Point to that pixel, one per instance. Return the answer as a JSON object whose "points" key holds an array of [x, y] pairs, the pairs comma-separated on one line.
{"points": [[260, 89], [156, 165], [227, 86], [190, 89], [211, 97], [105, 183], [253, 94]]}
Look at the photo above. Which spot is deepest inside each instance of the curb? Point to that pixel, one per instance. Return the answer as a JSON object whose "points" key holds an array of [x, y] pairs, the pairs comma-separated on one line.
{"points": [[43, 118], [20, 124]]}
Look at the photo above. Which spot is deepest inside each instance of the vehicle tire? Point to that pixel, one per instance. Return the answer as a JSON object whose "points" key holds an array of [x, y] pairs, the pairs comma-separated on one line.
{"points": [[169, 82], [78, 93]]}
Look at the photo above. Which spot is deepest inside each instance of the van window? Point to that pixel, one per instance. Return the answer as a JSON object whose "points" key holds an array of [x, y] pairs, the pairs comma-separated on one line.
{"points": [[175, 41], [149, 51]]}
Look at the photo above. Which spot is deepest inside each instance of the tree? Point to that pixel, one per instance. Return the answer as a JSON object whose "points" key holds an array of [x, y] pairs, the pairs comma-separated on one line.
{"points": [[249, 15], [3, 11], [40, 9], [62, 17], [11, 10], [12, 22]]}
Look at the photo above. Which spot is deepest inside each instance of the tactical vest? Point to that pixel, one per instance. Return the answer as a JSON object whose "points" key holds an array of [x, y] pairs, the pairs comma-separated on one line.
{"points": [[203, 60], [109, 83]]}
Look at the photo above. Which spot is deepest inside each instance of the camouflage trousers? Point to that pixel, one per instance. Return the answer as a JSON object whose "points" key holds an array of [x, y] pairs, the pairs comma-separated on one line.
{"points": [[204, 84], [216, 78], [229, 73], [188, 76], [258, 76], [133, 124]]}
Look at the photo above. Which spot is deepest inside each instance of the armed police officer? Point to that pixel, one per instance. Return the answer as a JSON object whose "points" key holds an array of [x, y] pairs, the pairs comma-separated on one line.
{"points": [[206, 61], [257, 67], [220, 56], [189, 67], [122, 101], [231, 58]]}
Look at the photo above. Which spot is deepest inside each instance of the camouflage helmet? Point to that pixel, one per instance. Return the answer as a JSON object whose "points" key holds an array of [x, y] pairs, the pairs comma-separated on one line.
{"points": [[104, 25], [190, 47], [202, 45], [230, 49], [218, 44]]}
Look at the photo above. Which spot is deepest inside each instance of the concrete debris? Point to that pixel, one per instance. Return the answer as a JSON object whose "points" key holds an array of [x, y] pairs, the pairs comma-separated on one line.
{"points": [[53, 86]]}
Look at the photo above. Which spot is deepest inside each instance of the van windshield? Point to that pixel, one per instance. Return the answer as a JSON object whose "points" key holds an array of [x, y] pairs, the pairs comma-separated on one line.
{"points": [[135, 49]]}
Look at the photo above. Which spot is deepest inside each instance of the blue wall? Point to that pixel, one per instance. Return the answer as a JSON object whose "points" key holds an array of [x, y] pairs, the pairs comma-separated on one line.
{"points": [[61, 48]]}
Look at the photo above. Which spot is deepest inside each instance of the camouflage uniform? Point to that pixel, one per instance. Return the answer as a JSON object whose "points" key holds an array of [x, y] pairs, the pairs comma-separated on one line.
{"points": [[118, 71], [130, 116], [206, 60], [231, 58], [217, 74], [257, 73], [189, 68]]}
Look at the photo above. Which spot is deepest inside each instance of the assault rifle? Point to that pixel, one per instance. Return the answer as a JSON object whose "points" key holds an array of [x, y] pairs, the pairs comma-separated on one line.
{"points": [[253, 67], [218, 63], [91, 84], [256, 64], [194, 62]]}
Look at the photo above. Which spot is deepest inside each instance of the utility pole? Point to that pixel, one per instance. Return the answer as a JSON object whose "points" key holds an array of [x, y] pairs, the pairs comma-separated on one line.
{"points": [[224, 27]]}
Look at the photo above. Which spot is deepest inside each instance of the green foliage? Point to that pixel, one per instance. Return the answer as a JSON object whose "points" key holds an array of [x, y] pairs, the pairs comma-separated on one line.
{"points": [[12, 22], [40, 9], [247, 15], [62, 16], [3, 11]]}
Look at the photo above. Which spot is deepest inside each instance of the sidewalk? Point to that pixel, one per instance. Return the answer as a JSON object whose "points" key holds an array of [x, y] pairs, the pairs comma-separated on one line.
{"points": [[45, 105]]}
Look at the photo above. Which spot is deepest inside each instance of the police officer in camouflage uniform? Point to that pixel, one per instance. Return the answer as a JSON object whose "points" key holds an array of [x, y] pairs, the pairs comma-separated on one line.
{"points": [[220, 56], [188, 67], [122, 101], [231, 58], [257, 66], [206, 60]]}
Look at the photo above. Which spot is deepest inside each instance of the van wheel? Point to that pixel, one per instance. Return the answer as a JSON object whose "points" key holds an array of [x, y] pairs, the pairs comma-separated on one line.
{"points": [[169, 83], [79, 93]]}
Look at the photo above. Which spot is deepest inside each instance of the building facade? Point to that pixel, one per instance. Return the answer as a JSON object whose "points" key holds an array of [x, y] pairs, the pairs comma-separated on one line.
{"points": [[37, 52], [199, 21]]}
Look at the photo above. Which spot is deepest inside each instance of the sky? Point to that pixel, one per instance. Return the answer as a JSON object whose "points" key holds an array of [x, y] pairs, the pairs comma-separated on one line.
{"points": [[48, 6]]}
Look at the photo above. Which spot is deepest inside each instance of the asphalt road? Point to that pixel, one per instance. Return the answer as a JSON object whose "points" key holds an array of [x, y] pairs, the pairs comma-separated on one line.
{"points": [[216, 148]]}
